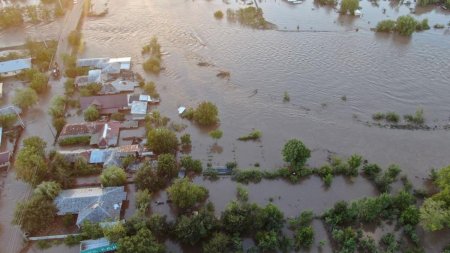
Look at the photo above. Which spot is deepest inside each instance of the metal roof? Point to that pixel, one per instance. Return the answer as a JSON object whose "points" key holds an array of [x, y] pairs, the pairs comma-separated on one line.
{"points": [[15, 65], [138, 107]]}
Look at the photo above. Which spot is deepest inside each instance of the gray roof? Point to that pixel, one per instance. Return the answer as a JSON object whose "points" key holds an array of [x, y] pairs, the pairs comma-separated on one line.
{"points": [[124, 85], [95, 76], [15, 65], [93, 204], [99, 155], [139, 108]]}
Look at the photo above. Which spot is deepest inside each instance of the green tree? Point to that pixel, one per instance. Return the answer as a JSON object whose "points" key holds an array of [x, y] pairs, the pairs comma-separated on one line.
{"points": [[185, 140], [142, 242], [10, 17], [219, 243], [216, 134], [296, 153], [350, 6], [218, 14], [8, 120], [39, 83], [25, 98], [434, 215], [48, 189], [267, 241], [406, 25], [167, 167], [150, 89], [115, 232], [191, 165], [206, 114], [152, 65], [410, 215], [30, 163], [113, 176], [146, 178], [60, 170], [35, 214], [143, 198], [162, 140], [185, 194], [91, 113], [193, 229]]}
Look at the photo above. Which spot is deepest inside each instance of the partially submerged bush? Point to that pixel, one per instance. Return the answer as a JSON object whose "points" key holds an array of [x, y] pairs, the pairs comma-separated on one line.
{"points": [[392, 117], [218, 14], [385, 26], [417, 118], [254, 135]]}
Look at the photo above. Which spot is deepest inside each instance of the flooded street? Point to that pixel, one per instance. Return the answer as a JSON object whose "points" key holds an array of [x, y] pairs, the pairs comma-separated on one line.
{"points": [[328, 59]]}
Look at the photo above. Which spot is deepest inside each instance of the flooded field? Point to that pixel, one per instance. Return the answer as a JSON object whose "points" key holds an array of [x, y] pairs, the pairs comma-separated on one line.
{"points": [[328, 59]]}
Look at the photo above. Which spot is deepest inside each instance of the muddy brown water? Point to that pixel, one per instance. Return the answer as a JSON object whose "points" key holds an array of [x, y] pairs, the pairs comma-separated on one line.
{"points": [[327, 60]]}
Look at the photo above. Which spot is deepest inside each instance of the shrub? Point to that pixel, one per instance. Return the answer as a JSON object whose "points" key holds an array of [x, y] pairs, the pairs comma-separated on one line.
{"points": [[371, 170], [218, 14], [392, 117], [385, 26], [74, 38], [92, 89], [406, 25], [191, 165], [350, 6], [118, 116], [113, 176], [25, 98], [422, 25], [247, 176], [328, 179], [242, 193], [75, 140], [295, 153], [417, 118], [150, 89], [286, 97], [254, 135], [152, 65], [91, 113], [303, 238], [39, 82], [206, 114], [167, 167], [143, 198], [216, 134], [69, 87], [8, 120], [185, 140], [378, 116]]}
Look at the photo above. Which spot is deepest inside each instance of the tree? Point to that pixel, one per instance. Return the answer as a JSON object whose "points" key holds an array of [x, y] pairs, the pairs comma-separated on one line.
{"points": [[296, 153], [48, 189], [91, 113], [349, 5], [303, 237], [60, 170], [142, 242], [206, 114], [191, 165], [8, 120], [34, 214], [267, 241], [146, 178], [216, 134], [58, 124], [30, 164], [272, 219], [219, 243], [74, 38], [10, 17], [115, 232], [167, 167], [195, 228], [113, 176], [406, 25], [152, 65], [143, 198], [39, 83], [150, 89], [185, 140], [185, 194], [162, 140], [25, 98]]}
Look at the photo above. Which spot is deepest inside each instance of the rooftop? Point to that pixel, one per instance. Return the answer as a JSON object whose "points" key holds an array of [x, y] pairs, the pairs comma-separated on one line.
{"points": [[139, 108], [85, 128], [15, 65], [93, 204], [107, 104]]}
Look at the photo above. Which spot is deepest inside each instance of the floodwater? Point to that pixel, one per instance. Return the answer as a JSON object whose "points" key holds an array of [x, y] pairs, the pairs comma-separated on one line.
{"points": [[327, 60]]}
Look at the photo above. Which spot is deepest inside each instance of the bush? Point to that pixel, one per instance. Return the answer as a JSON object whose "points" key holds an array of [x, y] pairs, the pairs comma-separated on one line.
{"points": [[69, 87], [185, 194], [350, 6], [206, 114], [218, 14], [242, 193], [247, 176], [216, 134], [150, 89], [152, 65], [8, 120], [25, 98], [392, 117], [406, 25], [91, 113], [439, 26], [386, 26], [185, 140], [92, 89], [295, 153], [76, 71], [39, 82], [378, 116], [303, 238], [162, 140], [422, 25], [143, 198], [10, 17], [167, 167], [417, 118], [113, 176], [371, 170], [191, 165], [254, 135]]}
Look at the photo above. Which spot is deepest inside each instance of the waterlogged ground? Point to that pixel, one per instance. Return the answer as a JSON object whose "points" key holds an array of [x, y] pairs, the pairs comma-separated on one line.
{"points": [[317, 66]]}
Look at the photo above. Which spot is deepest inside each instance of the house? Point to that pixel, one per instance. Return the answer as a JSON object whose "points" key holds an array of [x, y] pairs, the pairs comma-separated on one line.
{"points": [[107, 65], [14, 67], [102, 134], [138, 110], [105, 104], [4, 159], [100, 245], [91, 204], [113, 156], [72, 156], [108, 136]]}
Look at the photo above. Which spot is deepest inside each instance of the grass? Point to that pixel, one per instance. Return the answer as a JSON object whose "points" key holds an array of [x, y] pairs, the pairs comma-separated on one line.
{"points": [[417, 118], [378, 116], [286, 97], [392, 117], [254, 135]]}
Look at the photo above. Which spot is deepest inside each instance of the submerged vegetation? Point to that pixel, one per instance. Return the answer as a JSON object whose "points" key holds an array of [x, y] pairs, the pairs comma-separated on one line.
{"points": [[349, 6], [218, 14], [249, 16], [412, 120], [254, 135], [405, 25], [153, 49]]}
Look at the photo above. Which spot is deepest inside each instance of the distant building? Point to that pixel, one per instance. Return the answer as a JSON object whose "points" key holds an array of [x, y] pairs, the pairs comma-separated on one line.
{"points": [[102, 134], [91, 204], [107, 65], [14, 67], [105, 104]]}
